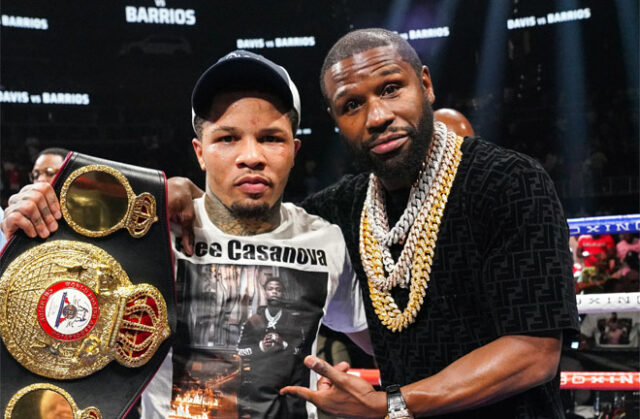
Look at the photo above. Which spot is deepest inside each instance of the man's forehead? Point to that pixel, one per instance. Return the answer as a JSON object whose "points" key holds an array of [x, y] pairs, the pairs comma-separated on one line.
{"points": [[374, 62], [378, 56], [48, 158]]}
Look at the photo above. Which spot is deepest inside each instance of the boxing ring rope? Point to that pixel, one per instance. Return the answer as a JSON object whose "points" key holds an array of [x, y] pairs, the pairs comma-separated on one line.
{"points": [[569, 380], [587, 303], [607, 303], [581, 380], [614, 224]]}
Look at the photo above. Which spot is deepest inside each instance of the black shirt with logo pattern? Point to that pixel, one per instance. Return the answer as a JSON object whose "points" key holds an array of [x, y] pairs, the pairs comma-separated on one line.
{"points": [[502, 266]]}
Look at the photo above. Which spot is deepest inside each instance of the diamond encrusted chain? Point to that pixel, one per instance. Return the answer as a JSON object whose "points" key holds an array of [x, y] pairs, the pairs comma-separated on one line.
{"points": [[414, 265], [377, 212], [272, 321]]}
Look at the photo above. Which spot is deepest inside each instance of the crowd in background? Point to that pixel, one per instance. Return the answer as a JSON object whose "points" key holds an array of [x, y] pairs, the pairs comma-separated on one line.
{"points": [[597, 175]]}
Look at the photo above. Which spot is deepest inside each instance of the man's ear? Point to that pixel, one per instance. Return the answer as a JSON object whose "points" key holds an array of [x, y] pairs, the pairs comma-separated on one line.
{"points": [[428, 86], [296, 146], [197, 148]]}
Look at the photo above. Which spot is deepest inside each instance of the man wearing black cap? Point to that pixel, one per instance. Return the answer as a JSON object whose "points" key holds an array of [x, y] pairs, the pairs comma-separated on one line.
{"points": [[245, 114]]}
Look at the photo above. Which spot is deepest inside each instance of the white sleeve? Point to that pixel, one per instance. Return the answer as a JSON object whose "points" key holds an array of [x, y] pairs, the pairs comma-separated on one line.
{"points": [[345, 312], [156, 398]]}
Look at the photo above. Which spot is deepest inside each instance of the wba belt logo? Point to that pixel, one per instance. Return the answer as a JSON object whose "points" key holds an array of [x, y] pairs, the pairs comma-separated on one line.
{"points": [[68, 310]]}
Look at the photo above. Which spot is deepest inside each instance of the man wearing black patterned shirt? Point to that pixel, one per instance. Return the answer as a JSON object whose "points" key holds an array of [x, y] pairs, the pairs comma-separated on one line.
{"points": [[463, 259]]}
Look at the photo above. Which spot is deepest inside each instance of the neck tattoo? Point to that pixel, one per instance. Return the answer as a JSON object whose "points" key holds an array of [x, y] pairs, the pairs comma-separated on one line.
{"points": [[417, 231], [224, 218]]}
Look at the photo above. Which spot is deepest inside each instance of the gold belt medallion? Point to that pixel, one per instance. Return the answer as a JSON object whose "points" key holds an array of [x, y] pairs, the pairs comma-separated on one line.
{"points": [[97, 200], [68, 308], [49, 401]]}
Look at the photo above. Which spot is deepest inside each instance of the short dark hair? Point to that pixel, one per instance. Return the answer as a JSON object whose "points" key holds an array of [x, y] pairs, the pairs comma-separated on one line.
{"points": [[293, 116], [58, 151], [365, 39]]}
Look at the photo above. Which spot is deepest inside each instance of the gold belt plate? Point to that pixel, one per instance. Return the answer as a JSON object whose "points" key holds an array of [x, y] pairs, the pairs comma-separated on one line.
{"points": [[68, 308], [48, 400]]}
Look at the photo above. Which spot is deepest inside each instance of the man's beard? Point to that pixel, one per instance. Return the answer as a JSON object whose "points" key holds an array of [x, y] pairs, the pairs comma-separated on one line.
{"points": [[398, 163], [258, 212]]}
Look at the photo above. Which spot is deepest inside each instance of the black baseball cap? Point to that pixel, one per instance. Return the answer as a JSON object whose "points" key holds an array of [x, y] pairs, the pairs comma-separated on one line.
{"points": [[243, 70]]}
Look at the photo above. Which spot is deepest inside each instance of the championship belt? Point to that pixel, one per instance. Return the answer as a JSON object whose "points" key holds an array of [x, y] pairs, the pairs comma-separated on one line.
{"points": [[85, 314]]}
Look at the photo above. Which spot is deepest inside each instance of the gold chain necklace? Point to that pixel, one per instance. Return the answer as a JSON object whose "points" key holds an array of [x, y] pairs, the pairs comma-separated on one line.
{"points": [[423, 233]]}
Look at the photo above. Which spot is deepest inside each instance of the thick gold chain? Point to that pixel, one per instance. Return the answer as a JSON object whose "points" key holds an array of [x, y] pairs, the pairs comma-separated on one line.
{"points": [[425, 233]]}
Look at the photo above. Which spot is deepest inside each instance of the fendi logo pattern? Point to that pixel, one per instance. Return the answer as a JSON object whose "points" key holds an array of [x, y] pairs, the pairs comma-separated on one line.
{"points": [[502, 266]]}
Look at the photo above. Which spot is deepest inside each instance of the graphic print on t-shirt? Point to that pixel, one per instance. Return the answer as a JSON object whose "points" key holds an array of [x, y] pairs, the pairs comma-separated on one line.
{"points": [[243, 332]]}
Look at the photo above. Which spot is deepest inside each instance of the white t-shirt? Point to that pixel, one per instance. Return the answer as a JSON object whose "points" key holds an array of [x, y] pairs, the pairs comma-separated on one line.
{"points": [[235, 348]]}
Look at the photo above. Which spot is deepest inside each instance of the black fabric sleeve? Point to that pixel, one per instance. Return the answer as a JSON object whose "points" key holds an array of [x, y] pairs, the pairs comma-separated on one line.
{"points": [[527, 273], [248, 344]]}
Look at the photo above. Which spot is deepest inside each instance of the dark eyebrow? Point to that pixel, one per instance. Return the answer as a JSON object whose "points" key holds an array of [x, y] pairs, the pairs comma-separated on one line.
{"points": [[343, 92], [387, 71], [230, 130], [272, 130]]}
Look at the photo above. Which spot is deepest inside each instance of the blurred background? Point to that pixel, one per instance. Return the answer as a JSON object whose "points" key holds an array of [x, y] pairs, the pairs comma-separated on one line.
{"points": [[555, 79]]}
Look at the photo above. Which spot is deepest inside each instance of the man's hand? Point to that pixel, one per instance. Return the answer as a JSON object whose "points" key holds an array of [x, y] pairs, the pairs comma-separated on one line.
{"points": [[272, 342], [341, 393], [33, 210], [180, 194]]}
